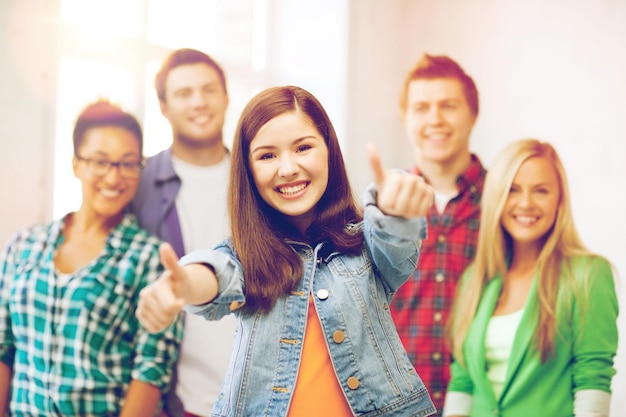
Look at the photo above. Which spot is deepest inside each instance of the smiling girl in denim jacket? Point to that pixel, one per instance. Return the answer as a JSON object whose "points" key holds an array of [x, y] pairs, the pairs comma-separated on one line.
{"points": [[308, 274]]}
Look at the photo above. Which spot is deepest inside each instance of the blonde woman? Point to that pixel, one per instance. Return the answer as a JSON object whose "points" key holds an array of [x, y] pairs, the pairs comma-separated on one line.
{"points": [[533, 327]]}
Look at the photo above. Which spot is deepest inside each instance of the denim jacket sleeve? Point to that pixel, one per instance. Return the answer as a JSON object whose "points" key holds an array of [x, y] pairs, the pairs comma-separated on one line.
{"points": [[230, 282], [393, 242]]}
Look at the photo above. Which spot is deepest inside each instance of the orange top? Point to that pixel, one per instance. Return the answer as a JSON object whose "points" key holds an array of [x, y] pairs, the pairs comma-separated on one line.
{"points": [[317, 392]]}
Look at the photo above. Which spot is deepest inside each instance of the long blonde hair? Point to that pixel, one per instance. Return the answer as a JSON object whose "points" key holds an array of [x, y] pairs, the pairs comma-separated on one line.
{"points": [[494, 248]]}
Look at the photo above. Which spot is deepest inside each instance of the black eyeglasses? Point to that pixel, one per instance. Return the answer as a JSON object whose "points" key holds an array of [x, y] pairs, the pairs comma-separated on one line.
{"points": [[99, 167]]}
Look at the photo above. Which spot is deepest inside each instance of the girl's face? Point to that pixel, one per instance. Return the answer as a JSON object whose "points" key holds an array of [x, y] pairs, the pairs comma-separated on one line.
{"points": [[533, 203], [289, 162], [107, 189]]}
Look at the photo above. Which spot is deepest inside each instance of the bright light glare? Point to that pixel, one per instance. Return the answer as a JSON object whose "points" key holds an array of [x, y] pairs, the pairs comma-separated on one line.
{"points": [[100, 21], [156, 129], [259, 35], [81, 82], [182, 23]]}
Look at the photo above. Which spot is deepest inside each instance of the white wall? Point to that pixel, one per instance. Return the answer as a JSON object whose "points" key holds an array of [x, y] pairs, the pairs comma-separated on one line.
{"points": [[553, 70], [26, 114], [308, 48]]}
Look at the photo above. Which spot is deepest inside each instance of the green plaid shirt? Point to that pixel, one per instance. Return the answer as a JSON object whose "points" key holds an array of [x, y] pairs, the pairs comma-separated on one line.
{"points": [[75, 345]]}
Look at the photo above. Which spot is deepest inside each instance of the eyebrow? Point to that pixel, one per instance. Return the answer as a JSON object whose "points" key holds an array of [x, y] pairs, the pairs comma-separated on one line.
{"points": [[443, 100], [295, 142], [100, 153], [191, 87], [541, 184]]}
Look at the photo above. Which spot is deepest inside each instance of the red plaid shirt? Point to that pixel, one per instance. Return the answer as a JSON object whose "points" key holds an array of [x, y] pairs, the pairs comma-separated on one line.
{"points": [[421, 306]]}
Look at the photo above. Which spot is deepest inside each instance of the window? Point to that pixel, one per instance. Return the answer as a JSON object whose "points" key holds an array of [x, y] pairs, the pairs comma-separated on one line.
{"points": [[113, 49]]}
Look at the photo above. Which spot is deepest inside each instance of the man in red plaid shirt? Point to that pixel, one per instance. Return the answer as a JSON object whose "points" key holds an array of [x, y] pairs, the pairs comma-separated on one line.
{"points": [[439, 104]]}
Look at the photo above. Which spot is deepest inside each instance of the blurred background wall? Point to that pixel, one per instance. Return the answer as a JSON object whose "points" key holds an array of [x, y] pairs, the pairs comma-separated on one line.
{"points": [[553, 70]]}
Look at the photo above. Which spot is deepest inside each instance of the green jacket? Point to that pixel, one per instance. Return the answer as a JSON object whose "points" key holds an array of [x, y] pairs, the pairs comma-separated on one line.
{"points": [[584, 348]]}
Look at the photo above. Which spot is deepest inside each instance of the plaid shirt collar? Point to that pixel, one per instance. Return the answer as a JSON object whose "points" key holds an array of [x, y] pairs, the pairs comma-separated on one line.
{"points": [[468, 178]]}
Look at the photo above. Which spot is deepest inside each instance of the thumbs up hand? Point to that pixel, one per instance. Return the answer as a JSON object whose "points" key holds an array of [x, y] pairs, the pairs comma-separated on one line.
{"points": [[399, 193], [161, 301]]}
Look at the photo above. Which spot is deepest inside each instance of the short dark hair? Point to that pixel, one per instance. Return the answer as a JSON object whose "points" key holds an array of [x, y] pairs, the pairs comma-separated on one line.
{"points": [[103, 113], [430, 67], [180, 57]]}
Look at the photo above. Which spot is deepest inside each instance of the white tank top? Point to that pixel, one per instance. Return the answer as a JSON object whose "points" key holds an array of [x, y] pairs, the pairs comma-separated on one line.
{"points": [[499, 340]]}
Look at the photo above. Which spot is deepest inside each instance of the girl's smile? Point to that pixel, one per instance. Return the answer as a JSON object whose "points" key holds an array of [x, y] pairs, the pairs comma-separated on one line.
{"points": [[293, 190]]}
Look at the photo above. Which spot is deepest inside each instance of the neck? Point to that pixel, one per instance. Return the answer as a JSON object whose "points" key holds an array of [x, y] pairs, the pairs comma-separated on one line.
{"points": [[524, 258], [83, 223], [201, 155], [442, 176]]}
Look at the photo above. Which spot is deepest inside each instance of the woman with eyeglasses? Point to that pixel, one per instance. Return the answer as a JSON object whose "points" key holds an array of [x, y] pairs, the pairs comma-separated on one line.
{"points": [[69, 340]]}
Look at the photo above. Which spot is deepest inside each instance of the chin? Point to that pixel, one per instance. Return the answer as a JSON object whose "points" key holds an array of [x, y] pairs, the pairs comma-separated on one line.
{"points": [[110, 212]]}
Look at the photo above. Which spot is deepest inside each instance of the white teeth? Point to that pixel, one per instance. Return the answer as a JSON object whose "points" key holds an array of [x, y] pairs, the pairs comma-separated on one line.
{"points": [[110, 193], [525, 219], [201, 119], [437, 136], [292, 190]]}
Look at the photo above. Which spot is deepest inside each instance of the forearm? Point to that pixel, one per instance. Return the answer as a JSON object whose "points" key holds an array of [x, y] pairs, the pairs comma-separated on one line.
{"points": [[6, 374], [142, 399], [202, 286]]}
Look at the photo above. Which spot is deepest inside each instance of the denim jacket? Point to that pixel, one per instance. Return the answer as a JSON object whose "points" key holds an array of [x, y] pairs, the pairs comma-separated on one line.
{"points": [[351, 294]]}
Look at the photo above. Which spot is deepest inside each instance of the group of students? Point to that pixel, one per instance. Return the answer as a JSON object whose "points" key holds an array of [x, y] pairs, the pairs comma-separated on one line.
{"points": [[449, 291]]}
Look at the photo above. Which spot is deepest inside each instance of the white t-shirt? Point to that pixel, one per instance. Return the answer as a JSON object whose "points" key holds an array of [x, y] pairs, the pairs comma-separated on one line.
{"points": [[499, 340], [442, 200], [206, 346]]}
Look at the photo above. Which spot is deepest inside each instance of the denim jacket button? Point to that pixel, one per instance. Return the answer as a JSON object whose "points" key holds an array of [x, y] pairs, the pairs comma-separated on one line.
{"points": [[353, 382], [338, 336], [323, 294]]}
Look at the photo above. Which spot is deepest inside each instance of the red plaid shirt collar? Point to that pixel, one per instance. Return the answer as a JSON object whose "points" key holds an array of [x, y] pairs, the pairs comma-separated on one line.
{"points": [[473, 175]]}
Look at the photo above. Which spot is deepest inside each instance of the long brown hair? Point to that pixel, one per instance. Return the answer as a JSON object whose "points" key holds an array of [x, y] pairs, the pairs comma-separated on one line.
{"points": [[271, 267], [494, 248]]}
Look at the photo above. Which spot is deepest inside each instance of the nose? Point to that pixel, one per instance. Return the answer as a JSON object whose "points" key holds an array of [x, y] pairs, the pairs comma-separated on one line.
{"points": [[113, 175], [434, 115], [288, 167], [199, 99], [525, 200]]}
